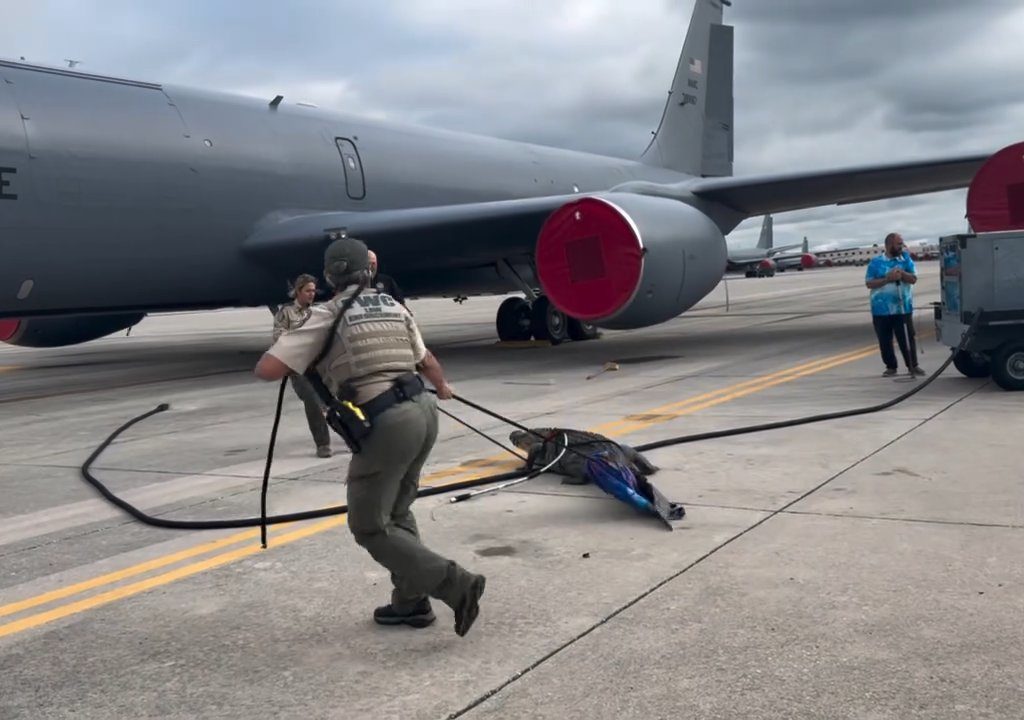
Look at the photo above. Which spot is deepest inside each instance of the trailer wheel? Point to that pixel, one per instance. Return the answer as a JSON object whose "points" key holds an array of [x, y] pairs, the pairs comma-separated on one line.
{"points": [[1008, 366], [972, 365]]}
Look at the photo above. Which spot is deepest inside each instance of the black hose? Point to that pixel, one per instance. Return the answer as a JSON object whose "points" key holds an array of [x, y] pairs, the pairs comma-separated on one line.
{"points": [[264, 520], [761, 427], [270, 461], [240, 522]]}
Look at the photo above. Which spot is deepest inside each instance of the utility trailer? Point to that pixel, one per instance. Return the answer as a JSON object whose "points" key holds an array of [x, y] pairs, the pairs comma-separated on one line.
{"points": [[984, 273]]}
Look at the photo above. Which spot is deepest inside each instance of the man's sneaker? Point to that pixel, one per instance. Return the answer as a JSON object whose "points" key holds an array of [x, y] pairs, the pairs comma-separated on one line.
{"points": [[916, 370], [324, 451], [420, 616], [469, 605], [889, 372]]}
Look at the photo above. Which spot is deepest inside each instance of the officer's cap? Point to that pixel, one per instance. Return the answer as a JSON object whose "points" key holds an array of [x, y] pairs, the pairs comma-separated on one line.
{"points": [[345, 256]]}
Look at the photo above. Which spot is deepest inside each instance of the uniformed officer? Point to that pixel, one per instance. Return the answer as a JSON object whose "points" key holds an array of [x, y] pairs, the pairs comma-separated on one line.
{"points": [[290, 317], [374, 354], [385, 283]]}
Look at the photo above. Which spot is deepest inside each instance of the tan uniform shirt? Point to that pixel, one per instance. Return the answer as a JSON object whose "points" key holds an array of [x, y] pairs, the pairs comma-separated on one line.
{"points": [[385, 344], [290, 317]]}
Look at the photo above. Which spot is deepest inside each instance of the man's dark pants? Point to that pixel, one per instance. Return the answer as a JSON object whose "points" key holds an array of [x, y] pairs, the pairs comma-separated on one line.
{"points": [[902, 326]]}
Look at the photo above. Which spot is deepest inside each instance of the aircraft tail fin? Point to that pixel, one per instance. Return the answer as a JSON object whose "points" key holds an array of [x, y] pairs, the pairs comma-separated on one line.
{"points": [[695, 133], [767, 239]]}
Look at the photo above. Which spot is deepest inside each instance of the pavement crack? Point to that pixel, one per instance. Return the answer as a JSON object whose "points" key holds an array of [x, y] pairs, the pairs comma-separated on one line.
{"points": [[924, 521], [861, 516]]}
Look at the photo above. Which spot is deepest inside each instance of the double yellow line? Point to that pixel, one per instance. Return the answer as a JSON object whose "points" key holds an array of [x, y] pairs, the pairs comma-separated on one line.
{"points": [[465, 471], [664, 413], [149, 583]]}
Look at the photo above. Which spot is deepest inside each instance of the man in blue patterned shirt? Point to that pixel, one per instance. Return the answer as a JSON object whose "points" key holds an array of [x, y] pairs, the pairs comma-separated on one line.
{"points": [[890, 277]]}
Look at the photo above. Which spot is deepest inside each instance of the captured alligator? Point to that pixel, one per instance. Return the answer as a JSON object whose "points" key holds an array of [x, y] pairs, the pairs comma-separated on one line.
{"points": [[586, 457], [541, 452]]}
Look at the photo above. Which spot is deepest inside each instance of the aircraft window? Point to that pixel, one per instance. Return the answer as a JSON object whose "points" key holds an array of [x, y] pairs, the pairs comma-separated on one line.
{"points": [[353, 168], [26, 288]]}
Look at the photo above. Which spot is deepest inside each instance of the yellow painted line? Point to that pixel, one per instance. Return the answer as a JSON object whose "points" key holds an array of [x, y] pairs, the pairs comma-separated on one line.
{"points": [[663, 413], [779, 381], [613, 428], [669, 412], [33, 621], [491, 469], [61, 593]]}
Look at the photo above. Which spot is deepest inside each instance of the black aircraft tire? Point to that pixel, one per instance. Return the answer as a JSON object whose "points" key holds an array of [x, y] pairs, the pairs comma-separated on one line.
{"points": [[549, 323], [514, 321], [580, 330], [1008, 366], [972, 365]]}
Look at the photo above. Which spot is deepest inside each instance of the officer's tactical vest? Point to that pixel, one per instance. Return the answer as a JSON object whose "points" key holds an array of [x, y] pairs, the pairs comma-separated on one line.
{"points": [[372, 346]]}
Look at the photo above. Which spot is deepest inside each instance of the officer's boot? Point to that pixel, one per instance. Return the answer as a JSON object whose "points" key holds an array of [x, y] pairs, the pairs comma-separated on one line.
{"points": [[419, 615]]}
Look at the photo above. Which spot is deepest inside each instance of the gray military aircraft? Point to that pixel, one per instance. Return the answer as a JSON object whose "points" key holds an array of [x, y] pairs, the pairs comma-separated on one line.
{"points": [[763, 259], [766, 258], [120, 198]]}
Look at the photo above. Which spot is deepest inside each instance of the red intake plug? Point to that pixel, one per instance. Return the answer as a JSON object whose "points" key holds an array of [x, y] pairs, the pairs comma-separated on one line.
{"points": [[589, 259]]}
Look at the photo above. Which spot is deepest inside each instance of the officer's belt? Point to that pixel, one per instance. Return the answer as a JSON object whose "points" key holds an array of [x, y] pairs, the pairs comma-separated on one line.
{"points": [[406, 387]]}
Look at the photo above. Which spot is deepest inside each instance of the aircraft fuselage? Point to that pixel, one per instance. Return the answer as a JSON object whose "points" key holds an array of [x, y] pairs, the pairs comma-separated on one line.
{"points": [[145, 193]]}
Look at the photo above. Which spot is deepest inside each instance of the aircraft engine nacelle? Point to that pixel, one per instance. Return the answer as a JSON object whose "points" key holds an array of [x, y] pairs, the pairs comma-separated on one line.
{"points": [[627, 261], [65, 330], [808, 260]]}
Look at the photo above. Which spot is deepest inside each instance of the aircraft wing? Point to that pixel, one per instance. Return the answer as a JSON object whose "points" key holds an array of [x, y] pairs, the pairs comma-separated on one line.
{"points": [[780, 249], [451, 236], [743, 263], [476, 234], [762, 194]]}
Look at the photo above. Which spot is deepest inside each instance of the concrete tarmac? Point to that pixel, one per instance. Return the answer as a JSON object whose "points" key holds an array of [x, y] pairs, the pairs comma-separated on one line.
{"points": [[866, 567]]}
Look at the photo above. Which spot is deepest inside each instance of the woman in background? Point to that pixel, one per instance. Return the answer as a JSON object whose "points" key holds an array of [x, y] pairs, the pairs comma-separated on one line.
{"points": [[293, 316]]}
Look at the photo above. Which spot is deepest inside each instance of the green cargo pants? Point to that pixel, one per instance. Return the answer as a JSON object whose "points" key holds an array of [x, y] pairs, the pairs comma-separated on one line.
{"points": [[314, 411], [382, 483]]}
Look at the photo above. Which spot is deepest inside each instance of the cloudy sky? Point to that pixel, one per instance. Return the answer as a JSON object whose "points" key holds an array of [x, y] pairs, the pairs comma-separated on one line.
{"points": [[819, 83]]}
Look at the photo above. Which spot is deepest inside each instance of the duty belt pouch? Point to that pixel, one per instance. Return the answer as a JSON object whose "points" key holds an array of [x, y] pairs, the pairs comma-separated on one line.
{"points": [[343, 417]]}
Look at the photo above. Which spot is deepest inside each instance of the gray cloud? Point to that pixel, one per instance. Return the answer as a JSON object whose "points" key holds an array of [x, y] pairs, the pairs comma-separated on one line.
{"points": [[818, 84]]}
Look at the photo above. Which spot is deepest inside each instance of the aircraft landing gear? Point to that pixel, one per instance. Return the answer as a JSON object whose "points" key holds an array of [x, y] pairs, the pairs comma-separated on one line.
{"points": [[548, 322], [518, 320], [514, 320], [582, 330], [535, 316]]}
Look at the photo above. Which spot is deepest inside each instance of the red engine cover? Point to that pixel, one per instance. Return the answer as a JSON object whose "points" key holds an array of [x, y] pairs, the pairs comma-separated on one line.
{"points": [[589, 258], [767, 264], [8, 328], [995, 199], [808, 260]]}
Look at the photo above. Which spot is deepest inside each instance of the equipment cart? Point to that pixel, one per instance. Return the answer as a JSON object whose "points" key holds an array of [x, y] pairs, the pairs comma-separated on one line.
{"points": [[984, 273]]}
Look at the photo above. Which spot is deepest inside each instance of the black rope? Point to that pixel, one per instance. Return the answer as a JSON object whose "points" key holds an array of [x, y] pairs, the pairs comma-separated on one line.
{"points": [[482, 434]]}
